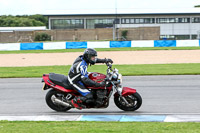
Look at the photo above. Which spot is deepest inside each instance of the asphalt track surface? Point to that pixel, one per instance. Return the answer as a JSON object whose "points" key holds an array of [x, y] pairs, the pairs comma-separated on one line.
{"points": [[163, 95]]}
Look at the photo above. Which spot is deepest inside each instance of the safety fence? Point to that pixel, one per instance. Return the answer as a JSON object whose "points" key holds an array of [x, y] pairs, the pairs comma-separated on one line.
{"points": [[100, 44]]}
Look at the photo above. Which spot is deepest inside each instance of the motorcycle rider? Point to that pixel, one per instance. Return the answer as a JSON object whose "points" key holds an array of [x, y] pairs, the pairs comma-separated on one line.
{"points": [[78, 75]]}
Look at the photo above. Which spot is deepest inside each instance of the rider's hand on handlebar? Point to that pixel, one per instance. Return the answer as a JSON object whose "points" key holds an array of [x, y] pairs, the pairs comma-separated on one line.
{"points": [[108, 61]]}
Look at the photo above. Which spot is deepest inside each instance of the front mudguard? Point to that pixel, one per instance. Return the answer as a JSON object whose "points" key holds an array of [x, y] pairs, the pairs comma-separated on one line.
{"points": [[126, 91]]}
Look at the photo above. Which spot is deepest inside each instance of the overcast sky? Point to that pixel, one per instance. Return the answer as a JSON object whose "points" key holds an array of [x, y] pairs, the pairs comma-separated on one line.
{"points": [[29, 7]]}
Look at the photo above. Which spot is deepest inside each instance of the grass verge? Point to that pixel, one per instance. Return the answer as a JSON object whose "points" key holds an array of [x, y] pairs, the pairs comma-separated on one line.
{"points": [[126, 70], [97, 127], [99, 49]]}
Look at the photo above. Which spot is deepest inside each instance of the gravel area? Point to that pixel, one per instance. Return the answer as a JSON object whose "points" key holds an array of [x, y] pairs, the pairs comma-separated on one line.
{"points": [[119, 57]]}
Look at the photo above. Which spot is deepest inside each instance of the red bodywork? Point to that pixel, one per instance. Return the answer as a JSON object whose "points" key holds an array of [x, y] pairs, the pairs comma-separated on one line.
{"points": [[49, 83], [128, 91], [97, 77]]}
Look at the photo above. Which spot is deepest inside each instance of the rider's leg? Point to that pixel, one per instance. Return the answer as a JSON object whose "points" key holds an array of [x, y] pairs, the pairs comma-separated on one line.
{"points": [[86, 97]]}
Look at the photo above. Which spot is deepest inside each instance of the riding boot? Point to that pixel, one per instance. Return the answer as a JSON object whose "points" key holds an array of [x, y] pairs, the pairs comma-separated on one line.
{"points": [[77, 102]]}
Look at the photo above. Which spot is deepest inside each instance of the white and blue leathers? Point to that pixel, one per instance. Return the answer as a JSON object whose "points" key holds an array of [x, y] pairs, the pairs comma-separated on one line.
{"points": [[78, 75]]}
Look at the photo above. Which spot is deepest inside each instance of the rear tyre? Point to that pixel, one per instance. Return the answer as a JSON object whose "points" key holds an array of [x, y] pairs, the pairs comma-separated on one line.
{"points": [[134, 100], [53, 105]]}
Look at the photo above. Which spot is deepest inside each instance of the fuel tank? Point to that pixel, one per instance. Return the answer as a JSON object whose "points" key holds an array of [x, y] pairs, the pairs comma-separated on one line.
{"points": [[97, 77]]}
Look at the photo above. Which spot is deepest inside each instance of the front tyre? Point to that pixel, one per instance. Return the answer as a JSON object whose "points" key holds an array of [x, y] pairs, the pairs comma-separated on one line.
{"points": [[51, 104], [134, 100]]}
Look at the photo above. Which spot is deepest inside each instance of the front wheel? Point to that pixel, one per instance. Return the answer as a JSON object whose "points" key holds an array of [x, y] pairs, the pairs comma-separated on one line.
{"points": [[56, 94], [134, 100]]}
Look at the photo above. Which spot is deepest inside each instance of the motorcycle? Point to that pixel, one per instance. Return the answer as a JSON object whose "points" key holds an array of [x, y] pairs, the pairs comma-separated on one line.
{"points": [[60, 94]]}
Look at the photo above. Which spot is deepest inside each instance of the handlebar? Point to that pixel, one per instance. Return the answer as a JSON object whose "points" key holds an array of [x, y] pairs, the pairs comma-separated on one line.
{"points": [[109, 65]]}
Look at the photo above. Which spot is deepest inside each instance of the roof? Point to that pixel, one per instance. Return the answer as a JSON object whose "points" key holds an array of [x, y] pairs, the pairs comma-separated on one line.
{"points": [[7, 29], [98, 12]]}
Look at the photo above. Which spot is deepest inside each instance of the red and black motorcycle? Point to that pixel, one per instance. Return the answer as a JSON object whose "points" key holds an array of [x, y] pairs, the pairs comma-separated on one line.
{"points": [[60, 94]]}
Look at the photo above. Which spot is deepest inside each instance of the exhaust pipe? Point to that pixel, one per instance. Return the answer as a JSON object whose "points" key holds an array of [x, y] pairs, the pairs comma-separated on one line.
{"points": [[58, 101]]}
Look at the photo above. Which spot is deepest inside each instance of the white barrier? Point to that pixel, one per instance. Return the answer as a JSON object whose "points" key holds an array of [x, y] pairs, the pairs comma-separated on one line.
{"points": [[54, 45], [103, 44], [9, 46], [147, 43], [187, 43]]}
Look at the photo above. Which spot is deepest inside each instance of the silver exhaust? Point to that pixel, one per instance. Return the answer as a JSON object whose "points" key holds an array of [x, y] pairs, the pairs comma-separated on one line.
{"points": [[59, 102]]}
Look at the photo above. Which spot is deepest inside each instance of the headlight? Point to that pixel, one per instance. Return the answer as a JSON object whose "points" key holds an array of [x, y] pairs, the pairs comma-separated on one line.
{"points": [[115, 76], [119, 78]]}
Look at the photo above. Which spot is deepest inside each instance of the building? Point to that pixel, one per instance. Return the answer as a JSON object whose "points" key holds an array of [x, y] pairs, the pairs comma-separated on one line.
{"points": [[173, 23]]}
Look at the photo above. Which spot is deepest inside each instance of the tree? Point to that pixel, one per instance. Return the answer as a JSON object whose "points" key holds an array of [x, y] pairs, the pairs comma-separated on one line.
{"points": [[22, 21]]}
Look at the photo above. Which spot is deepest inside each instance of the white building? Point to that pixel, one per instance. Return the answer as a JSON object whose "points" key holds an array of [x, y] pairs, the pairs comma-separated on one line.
{"points": [[174, 23]]}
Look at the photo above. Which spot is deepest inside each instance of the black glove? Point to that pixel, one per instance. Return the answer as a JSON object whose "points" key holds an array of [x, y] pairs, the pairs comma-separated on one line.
{"points": [[108, 61]]}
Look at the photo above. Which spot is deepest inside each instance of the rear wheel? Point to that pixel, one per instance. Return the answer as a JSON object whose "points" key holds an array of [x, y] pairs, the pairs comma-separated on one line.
{"points": [[134, 100], [56, 94]]}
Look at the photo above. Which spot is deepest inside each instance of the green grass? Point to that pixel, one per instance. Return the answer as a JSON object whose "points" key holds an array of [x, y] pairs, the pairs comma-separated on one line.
{"points": [[99, 49], [97, 127], [126, 70]]}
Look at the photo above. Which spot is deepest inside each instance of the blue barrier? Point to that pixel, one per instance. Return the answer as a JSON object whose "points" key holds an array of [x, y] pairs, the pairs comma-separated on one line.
{"points": [[113, 44], [199, 43], [76, 45], [118, 44], [31, 46], [165, 43]]}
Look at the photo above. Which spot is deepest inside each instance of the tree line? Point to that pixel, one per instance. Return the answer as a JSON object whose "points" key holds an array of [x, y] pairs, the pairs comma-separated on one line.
{"points": [[23, 20]]}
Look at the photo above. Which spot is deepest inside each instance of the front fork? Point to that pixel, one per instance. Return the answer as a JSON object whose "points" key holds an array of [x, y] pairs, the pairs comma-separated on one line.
{"points": [[119, 92]]}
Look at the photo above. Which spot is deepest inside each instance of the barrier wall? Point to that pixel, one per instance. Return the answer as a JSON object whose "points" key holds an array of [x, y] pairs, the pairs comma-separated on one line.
{"points": [[103, 44]]}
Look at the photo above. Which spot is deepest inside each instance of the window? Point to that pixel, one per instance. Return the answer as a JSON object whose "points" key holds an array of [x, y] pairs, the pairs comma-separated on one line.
{"points": [[67, 24], [196, 20], [123, 21], [173, 20], [183, 20], [127, 21], [175, 37], [182, 37], [149, 20], [132, 21], [141, 20], [138, 20], [167, 37], [100, 23], [194, 37]]}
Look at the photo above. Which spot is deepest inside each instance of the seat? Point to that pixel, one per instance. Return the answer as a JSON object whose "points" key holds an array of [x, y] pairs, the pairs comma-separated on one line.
{"points": [[59, 79]]}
